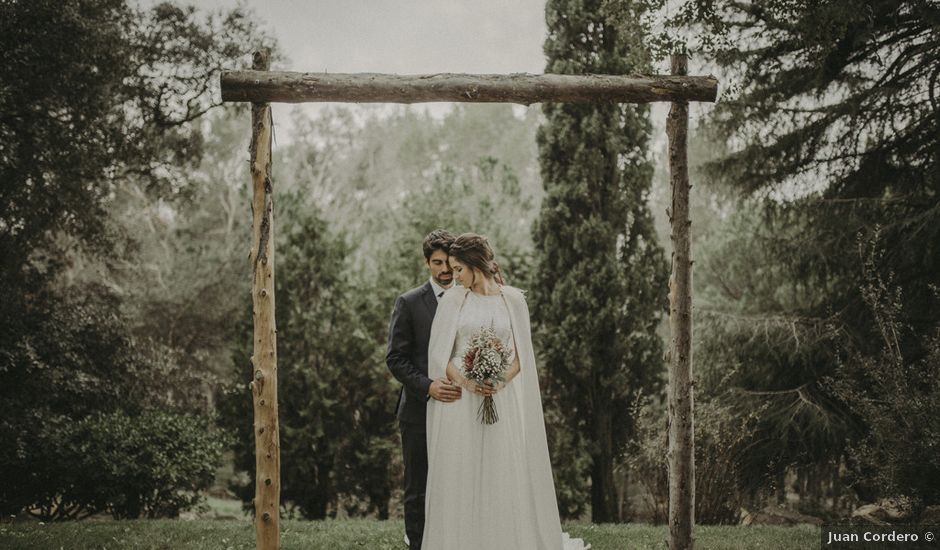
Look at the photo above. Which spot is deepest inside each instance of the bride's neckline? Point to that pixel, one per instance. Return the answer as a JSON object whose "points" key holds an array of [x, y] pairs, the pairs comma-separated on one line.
{"points": [[475, 293]]}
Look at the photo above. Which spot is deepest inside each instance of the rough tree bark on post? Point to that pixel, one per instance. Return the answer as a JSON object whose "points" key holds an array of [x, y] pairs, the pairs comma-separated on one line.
{"points": [[264, 360], [679, 357], [524, 89]]}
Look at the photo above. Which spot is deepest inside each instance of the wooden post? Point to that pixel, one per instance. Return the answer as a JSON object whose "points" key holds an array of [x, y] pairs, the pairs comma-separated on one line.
{"points": [[679, 357], [264, 360]]}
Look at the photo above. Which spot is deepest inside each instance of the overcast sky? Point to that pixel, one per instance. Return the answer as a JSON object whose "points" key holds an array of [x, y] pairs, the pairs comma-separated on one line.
{"points": [[407, 36], [404, 37], [400, 36]]}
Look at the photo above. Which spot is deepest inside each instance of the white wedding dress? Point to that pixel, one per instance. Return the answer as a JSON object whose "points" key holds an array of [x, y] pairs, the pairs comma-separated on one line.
{"points": [[489, 487]]}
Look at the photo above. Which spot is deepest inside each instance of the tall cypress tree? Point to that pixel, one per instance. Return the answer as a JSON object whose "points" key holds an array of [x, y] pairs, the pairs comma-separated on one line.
{"points": [[600, 275]]}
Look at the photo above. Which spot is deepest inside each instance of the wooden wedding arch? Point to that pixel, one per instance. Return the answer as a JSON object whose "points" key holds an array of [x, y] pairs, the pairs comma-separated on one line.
{"points": [[261, 86]]}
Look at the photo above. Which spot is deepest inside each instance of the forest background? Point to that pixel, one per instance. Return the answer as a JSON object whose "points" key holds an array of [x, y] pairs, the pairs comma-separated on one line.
{"points": [[125, 230]]}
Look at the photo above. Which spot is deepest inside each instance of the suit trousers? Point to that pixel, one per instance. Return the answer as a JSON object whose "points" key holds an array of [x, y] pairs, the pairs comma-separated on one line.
{"points": [[414, 445]]}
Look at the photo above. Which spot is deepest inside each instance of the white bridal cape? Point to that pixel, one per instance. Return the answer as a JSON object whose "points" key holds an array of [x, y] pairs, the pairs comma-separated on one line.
{"points": [[489, 486]]}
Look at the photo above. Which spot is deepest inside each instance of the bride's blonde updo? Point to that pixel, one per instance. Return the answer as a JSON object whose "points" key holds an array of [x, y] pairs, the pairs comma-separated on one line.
{"points": [[474, 250]]}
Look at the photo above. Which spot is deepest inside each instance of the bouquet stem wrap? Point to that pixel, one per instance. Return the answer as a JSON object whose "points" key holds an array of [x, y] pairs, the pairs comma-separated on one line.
{"points": [[487, 412]]}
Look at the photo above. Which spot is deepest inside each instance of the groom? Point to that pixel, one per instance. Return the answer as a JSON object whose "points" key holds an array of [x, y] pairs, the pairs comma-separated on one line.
{"points": [[407, 358]]}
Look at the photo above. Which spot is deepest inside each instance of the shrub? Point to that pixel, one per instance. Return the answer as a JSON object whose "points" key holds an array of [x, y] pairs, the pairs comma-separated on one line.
{"points": [[894, 393], [720, 441], [149, 465]]}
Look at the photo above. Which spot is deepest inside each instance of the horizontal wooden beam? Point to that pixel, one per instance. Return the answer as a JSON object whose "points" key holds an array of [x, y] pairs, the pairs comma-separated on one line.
{"points": [[522, 88]]}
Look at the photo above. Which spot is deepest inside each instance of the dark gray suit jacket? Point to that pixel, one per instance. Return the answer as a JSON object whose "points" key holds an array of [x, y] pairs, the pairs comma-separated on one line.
{"points": [[407, 353]]}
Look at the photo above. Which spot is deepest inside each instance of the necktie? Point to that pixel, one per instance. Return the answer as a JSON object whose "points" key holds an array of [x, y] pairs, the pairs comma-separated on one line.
{"points": [[441, 294]]}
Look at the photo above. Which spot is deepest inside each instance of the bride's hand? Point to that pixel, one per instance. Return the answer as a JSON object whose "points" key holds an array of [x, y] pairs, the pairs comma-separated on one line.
{"points": [[490, 388]]}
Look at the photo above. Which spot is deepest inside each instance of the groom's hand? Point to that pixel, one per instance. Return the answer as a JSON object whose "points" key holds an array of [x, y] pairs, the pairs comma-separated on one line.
{"points": [[443, 390]]}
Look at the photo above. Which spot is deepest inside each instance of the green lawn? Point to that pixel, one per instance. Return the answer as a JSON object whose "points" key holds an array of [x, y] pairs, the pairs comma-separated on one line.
{"points": [[233, 534]]}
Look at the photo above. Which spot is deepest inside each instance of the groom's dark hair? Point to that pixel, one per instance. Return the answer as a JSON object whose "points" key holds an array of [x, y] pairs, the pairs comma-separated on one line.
{"points": [[439, 239]]}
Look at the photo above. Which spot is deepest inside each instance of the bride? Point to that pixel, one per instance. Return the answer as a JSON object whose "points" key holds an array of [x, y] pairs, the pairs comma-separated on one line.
{"points": [[489, 486]]}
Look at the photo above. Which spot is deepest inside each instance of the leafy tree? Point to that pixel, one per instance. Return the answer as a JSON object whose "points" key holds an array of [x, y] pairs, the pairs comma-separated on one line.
{"points": [[368, 173], [97, 94], [600, 275], [484, 198], [334, 395], [865, 153], [96, 97], [833, 138], [755, 357], [187, 276]]}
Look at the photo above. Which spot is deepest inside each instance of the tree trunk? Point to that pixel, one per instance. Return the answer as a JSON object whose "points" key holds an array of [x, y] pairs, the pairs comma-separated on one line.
{"points": [[622, 478], [603, 490], [681, 428], [264, 360], [525, 89]]}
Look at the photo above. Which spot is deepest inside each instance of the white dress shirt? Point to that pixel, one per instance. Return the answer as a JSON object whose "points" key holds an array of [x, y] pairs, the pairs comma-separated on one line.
{"points": [[438, 289]]}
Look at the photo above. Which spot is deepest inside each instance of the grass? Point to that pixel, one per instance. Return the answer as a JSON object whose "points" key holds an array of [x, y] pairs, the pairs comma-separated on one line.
{"points": [[203, 534]]}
